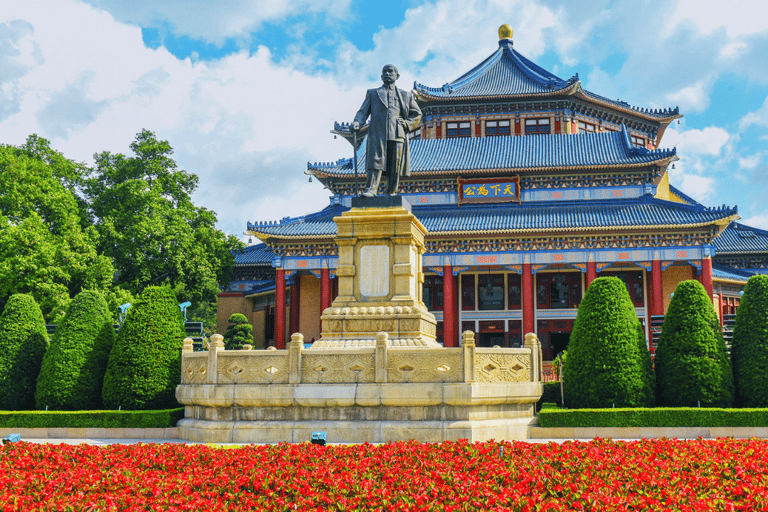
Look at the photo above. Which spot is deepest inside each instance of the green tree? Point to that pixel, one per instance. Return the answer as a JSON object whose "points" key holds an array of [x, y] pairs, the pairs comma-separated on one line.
{"points": [[73, 367], [23, 342], [145, 362], [749, 350], [692, 364], [151, 230], [239, 332], [47, 248], [608, 361]]}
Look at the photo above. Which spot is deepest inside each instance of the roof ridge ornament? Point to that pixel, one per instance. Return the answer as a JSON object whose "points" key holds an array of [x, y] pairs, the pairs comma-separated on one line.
{"points": [[505, 32]]}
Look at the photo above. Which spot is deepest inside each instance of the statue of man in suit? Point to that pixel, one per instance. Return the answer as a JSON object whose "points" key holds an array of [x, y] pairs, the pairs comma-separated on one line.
{"points": [[393, 114]]}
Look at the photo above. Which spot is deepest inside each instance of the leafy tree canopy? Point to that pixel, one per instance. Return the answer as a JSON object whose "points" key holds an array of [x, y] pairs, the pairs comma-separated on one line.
{"points": [[149, 227], [47, 248]]}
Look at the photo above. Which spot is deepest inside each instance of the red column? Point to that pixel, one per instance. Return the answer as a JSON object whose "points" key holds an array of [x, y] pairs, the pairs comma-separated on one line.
{"points": [[295, 288], [591, 272], [528, 300], [657, 288], [706, 276], [279, 308], [449, 308], [438, 129], [325, 289]]}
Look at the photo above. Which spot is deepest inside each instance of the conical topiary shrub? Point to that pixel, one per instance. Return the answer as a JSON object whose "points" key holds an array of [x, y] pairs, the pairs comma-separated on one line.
{"points": [[608, 361], [145, 362], [749, 350], [692, 365], [73, 367], [23, 342], [239, 332]]}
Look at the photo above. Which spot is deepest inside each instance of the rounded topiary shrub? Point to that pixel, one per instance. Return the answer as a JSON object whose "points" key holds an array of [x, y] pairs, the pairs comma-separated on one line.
{"points": [[73, 367], [23, 342], [749, 350], [692, 365], [239, 332], [608, 361], [145, 362]]}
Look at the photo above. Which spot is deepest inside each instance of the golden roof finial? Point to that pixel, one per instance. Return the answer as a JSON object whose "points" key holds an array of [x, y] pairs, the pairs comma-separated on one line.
{"points": [[505, 32]]}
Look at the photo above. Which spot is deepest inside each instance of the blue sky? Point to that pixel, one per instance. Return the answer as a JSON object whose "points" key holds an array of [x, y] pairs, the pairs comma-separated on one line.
{"points": [[247, 91]]}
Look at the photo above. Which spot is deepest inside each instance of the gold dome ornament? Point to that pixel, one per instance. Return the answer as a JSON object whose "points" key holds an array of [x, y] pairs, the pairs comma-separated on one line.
{"points": [[505, 32]]}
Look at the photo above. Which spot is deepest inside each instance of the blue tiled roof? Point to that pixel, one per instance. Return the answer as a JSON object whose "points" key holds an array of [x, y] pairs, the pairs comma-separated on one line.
{"points": [[319, 224], [682, 196], [662, 113], [643, 212], [504, 73], [738, 238], [514, 153], [258, 254], [725, 272]]}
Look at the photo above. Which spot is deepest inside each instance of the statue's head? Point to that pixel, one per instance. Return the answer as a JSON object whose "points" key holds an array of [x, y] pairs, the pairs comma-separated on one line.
{"points": [[389, 74]]}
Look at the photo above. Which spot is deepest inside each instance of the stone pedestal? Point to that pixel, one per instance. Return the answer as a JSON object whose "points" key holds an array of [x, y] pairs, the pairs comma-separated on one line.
{"points": [[381, 244]]}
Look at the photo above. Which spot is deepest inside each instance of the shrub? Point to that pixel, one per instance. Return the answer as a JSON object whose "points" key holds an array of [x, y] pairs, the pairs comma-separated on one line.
{"points": [[73, 367], [92, 419], [749, 349], [145, 362], [656, 417], [23, 342], [607, 354], [692, 364], [239, 332]]}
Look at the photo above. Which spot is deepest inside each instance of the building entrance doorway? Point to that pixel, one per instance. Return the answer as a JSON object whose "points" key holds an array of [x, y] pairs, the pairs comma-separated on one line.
{"points": [[559, 342]]}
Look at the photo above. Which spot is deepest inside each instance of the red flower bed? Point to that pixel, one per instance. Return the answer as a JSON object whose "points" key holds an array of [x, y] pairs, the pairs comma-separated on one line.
{"points": [[601, 475]]}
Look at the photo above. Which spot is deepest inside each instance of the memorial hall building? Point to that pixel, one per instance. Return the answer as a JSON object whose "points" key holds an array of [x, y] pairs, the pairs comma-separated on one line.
{"points": [[530, 187]]}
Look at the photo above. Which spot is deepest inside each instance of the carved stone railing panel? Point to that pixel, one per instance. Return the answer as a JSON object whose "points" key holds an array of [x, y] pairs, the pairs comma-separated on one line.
{"points": [[194, 368], [435, 365], [502, 367], [250, 367], [333, 368]]}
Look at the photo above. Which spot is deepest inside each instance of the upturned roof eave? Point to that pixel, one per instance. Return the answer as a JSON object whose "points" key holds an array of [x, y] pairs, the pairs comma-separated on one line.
{"points": [[564, 91]]}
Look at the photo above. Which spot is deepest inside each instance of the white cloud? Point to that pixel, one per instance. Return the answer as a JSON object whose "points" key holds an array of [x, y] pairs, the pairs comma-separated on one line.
{"points": [[741, 18], [694, 97], [758, 117], [756, 221], [215, 21], [707, 141], [698, 187]]}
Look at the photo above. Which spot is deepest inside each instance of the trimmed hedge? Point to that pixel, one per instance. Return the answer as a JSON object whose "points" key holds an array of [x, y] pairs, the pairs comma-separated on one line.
{"points": [[608, 362], [74, 365], [691, 362], [92, 419], [145, 362], [749, 349], [23, 342], [551, 394], [657, 417], [239, 332]]}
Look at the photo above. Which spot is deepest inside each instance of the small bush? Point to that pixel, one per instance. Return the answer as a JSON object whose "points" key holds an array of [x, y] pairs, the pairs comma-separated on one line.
{"points": [[607, 357], [239, 332], [749, 349], [145, 362], [23, 342], [692, 364], [551, 394], [92, 419], [74, 365]]}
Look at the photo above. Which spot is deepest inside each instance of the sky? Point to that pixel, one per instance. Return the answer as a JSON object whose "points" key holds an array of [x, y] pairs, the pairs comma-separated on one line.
{"points": [[246, 91]]}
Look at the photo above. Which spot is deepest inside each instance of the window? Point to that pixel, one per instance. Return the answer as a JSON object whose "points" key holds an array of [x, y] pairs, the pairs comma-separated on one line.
{"points": [[497, 127], [638, 141], [458, 129], [415, 134], [514, 291], [587, 127], [634, 283], [490, 291], [468, 292], [536, 126], [433, 292], [558, 291]]}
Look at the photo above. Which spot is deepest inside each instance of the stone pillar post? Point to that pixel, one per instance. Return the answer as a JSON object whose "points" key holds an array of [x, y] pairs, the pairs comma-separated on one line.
{"points": [[187, 346], [212, 369], [380, 358], [468, 344], [280, 308], [295, 348], [532, 342], [449, 308]]}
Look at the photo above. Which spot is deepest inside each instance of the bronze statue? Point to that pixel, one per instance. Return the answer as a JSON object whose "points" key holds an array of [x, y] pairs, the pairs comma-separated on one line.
{"points": [[393, 114]]}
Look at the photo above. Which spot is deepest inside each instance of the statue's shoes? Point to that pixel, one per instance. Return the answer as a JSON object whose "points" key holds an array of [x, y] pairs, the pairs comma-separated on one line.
{"points": [[368, 193]]}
